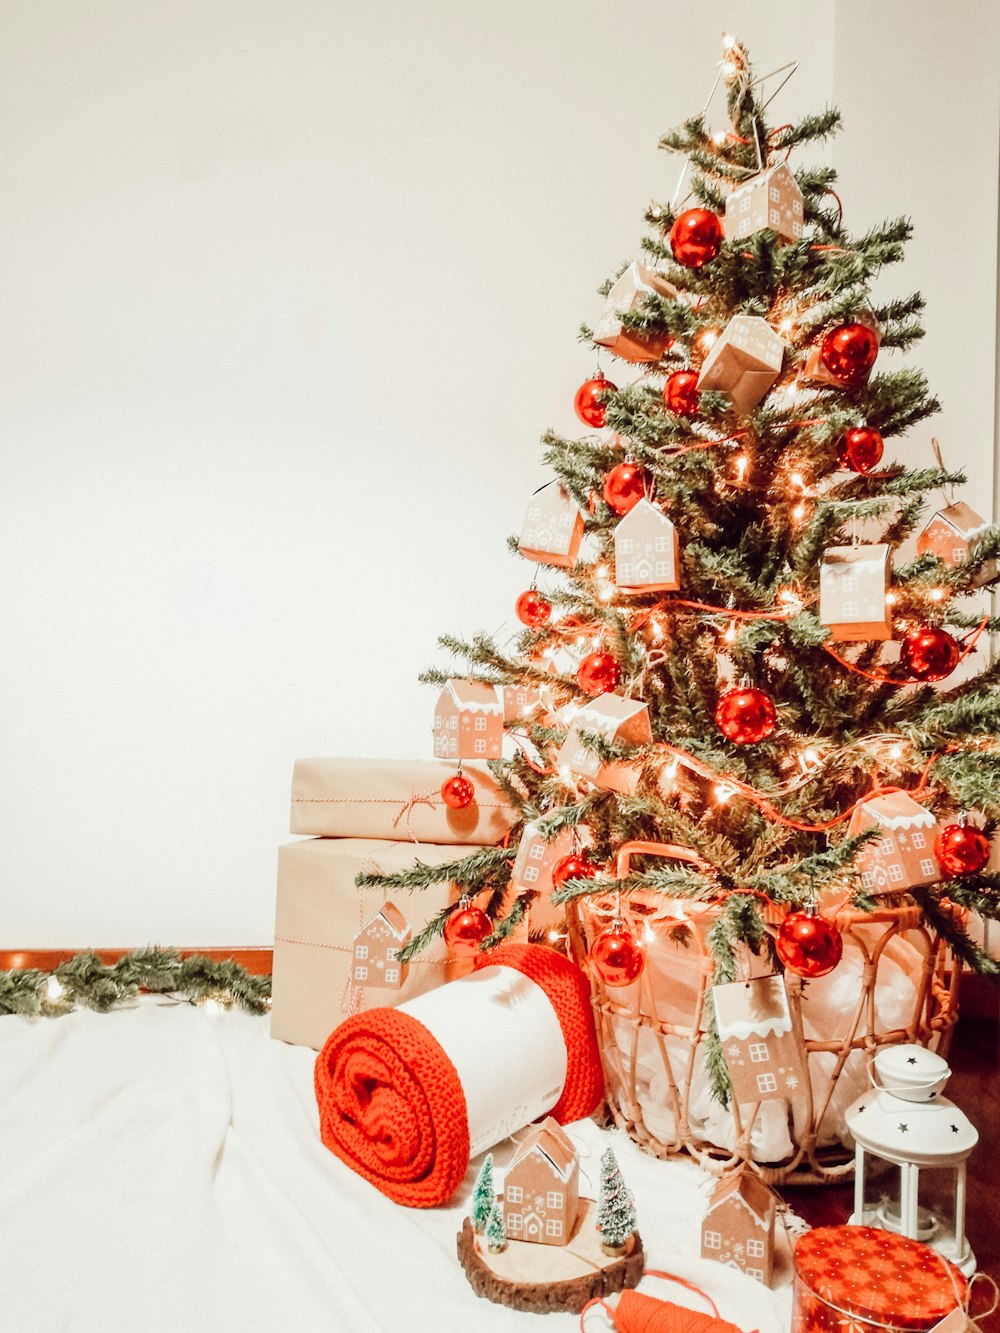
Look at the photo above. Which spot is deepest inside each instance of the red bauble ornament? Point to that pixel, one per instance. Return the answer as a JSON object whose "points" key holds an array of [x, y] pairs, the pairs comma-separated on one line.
{"points": [[532, 609], [861, 449], [961, 849], [598, 673], [617, 956], [745, 715], [574, 866], [457, 792], [849, 352], [625, 485], [929, 654], [696, 237], [585, 404], [465, 930], [680, 393], [808, 945]]}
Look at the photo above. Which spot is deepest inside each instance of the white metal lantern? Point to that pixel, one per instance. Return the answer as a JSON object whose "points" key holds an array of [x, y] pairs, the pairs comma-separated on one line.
{"points": [[911, 1149]]}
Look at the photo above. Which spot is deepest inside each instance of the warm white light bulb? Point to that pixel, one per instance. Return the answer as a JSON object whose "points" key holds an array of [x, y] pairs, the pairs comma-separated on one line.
{"points": [[729, 68], [731, 632], [722, 792], [54, 990], [719, 138], [938, 594], [895, 752], [728, 41], [891, 599], [786, 326], [648, 935], [798, 480], [554, 936], [742, 463], [799, 513]]}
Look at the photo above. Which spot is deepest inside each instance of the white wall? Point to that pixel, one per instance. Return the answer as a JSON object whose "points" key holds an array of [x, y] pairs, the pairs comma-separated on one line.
{"points": [[289, 291]]}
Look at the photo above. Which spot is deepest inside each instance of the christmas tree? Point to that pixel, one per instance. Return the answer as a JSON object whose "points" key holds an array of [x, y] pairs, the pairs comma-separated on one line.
{"points": [[483, 1196], [496, 1228], [615, 1204], [739, 656]]}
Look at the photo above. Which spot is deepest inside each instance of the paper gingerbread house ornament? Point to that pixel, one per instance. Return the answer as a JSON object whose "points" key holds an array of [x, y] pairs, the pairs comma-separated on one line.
{"points": [[771, 199], [760, 1047], [618, 720], [903, 857], [535, 858], [468, 721], [375, 949], [738, 1226], [553, 528], [627, 295], [852, 593], [744, 362], [542, 1186], [647, 556], [522, 701], [814, 369], [951, 535]]}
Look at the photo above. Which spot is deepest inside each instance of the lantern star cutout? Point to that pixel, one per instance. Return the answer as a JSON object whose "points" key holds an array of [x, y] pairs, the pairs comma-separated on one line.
{"points": [[904, 1129]]}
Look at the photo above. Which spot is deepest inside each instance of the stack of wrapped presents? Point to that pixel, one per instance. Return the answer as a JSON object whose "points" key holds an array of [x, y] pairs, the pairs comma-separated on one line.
{"points": [[336, 944]]}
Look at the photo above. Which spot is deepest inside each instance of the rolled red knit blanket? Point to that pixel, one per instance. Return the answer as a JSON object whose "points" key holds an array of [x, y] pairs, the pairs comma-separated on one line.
{"points": [[398, 1088]]}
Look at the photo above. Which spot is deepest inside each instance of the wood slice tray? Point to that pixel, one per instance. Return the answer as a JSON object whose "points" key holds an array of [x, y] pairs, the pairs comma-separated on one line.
{"points": [[542, 1278]]}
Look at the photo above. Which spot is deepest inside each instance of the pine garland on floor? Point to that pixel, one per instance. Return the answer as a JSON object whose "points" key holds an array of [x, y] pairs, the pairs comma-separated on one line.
{"points": [[85, 980]]}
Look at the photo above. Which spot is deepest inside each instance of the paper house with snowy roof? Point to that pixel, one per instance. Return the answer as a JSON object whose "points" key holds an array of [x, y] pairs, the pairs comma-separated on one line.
{"points": [[375, 949], [903, 857], [626, 296], [647, 554], [951, 535], [553, 528], [535, 858], [738, 1226], [468, 721], [618, 720], [758, 1041], [770, 199], [815, 371], [542, 1186], [522, 701], [852, 593], [744, 361]]}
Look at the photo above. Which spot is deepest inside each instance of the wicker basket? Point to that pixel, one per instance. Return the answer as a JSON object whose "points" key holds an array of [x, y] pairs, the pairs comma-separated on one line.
{"points": [[661, 1019]]}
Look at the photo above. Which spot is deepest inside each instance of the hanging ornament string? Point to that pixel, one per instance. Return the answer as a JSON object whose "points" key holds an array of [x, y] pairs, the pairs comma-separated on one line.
{"points": [[948, 491], [883, 678]]}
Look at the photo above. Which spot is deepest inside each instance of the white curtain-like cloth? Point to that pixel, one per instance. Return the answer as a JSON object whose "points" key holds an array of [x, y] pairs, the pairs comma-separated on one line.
{"points": [[161, 1169]]}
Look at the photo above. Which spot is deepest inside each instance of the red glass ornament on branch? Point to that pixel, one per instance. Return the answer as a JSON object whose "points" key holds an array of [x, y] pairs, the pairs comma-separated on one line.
{"points": [[809, 945], [532, 609], [457, 792], [573, 866], [585, 404], [861, 449], [929, 653], [962, 849], [696, 237], [465, 930], [598, 673], [849, 352], [617, 956], [625, 485], [745, 715], [680, 393]]}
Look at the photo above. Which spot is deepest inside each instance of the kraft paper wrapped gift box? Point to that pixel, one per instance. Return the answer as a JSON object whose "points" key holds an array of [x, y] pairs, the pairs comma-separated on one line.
{"points": [[395, 799], [324, 921]]}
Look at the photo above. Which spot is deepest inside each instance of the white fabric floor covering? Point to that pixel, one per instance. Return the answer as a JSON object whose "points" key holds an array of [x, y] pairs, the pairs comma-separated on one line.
{"points": [[161, 1170]]}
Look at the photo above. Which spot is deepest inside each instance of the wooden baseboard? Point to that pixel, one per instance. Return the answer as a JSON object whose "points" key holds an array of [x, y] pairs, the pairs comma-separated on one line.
{"points": [[255, 959]]}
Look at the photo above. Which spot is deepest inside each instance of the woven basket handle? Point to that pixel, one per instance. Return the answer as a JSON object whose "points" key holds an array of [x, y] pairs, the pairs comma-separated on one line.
{"points": [[666, 849]]}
